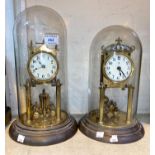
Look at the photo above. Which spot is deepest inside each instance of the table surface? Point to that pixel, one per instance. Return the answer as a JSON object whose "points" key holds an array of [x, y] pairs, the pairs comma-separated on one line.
{"points": [[81, 145]]}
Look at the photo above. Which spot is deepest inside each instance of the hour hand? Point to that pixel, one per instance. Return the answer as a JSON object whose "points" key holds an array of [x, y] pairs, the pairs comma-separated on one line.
{"points": [[36, 68]]}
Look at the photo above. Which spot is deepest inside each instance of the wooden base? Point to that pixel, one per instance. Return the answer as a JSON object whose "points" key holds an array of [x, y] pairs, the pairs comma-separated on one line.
{"points": [[45, 136], [122, 135]]}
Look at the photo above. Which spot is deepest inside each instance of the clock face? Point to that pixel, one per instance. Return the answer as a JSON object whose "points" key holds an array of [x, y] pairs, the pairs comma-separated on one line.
{"points": [[118, 67], [43, 66]]}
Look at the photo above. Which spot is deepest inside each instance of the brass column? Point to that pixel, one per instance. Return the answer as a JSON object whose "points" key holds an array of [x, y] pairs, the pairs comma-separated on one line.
{"points": [[130, 104], [102, 89], [101, 104], [58, 100], [28, 100], [41, 102]]}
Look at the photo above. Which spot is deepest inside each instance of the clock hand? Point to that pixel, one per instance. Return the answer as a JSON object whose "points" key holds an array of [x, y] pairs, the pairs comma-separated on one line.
{"points": [[120, 70], [36, 68], [43, 66], [40, 63], [123, 73]]}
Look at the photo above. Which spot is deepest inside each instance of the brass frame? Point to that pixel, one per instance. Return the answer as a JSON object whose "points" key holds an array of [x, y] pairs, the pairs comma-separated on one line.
{"points": [[55, 116], [118, 53], [106, 82], [43, 47], [30, 73]]}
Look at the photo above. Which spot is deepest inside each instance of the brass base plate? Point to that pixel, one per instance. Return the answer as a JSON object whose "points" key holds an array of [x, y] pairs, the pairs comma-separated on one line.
{"points": [[43, 136], [113, 122], [119, 135], [44, 122]]}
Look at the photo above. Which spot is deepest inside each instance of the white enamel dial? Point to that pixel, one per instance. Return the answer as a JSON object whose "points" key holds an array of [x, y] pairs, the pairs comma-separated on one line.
{"points": [[118, 67], [43, 66]]}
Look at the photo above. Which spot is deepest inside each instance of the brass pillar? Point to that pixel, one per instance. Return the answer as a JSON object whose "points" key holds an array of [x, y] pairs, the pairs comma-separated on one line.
{"points": [[28, 100], [101, 104], [41, 102], [130, 104], [58, 100]]}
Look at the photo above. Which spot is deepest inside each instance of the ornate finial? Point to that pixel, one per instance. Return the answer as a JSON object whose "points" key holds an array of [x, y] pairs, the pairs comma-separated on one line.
{"points": [[56, 47], [31, 44], [102, 47], [118, 40], [31, 47], [43, 41], [43, 91], [58, 83]]}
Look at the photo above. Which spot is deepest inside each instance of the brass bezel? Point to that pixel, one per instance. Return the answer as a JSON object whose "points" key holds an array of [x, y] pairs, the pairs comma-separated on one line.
{"points": [[118, 53], [30, 73]]}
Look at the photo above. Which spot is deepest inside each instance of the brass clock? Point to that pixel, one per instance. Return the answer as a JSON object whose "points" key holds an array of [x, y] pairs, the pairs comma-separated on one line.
{"points": [[113, 92], [118, 67], [43, 66], [40, 50]]}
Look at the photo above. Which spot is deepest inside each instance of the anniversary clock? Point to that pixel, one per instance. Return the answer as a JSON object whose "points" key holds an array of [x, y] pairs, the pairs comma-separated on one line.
{"points": [[115, 61], [40, 52]]}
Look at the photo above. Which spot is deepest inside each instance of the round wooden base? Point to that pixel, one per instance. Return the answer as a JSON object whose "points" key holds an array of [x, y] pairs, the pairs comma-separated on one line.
{"points": [[122, 135], [45, 136]]}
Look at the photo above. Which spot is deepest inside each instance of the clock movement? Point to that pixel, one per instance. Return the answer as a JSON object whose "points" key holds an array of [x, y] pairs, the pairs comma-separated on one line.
{"points": [[115, 61], [40, 56]]}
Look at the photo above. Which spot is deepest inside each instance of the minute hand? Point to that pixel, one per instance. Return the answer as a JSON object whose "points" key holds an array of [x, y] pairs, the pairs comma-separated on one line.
{"points": [[119, 68]]}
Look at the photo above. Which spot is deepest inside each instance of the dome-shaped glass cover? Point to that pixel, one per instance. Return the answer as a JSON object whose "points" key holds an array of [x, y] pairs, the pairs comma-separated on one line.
{"points": [[40, 52], [114, 72], [40, 30], [115, 42]]}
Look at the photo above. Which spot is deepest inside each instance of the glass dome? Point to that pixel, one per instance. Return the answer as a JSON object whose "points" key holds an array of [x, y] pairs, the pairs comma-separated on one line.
{"points": [[114, 72], [41, 69]]}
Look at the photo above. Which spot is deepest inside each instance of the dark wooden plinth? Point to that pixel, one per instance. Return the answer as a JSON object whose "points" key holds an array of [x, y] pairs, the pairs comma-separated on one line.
{"points": [[128, 134], [43, 137]]}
